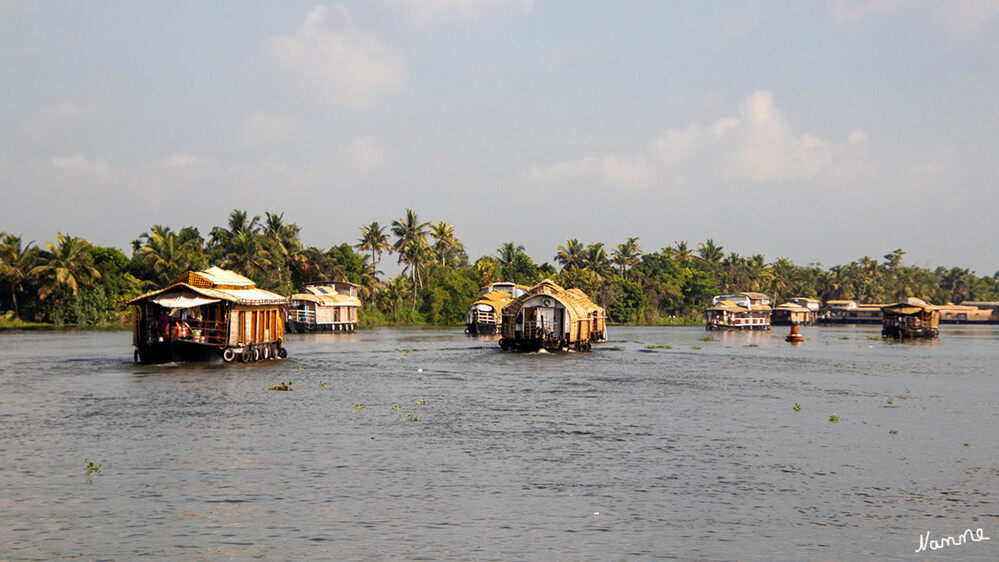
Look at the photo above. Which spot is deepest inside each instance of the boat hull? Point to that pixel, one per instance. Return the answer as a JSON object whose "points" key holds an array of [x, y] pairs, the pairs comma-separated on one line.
{"points": [[184, 351]]}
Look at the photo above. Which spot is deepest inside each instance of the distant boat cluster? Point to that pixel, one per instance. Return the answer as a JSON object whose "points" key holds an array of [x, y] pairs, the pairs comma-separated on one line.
{"points": [[217, 314], [908, 318]]}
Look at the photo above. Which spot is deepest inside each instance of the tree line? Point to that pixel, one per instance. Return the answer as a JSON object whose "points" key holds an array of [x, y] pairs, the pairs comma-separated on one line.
{"points": [[71, 281]]}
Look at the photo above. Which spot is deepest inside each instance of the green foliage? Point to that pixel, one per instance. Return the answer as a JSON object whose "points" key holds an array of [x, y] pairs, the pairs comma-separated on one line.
{"points": [[72, 282], [92, 468]]}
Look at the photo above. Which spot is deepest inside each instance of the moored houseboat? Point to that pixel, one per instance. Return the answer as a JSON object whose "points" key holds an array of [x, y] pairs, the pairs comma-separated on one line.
{"points": [[208, 315], [850, 312], [552, 318], [790, 314], [738, 311], [966, 314], [910, 318], [327, 307], [485, 315]]}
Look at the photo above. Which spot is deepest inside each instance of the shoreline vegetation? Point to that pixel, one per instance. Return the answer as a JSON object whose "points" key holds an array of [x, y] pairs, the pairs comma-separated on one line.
{"points": [[71, 282]]}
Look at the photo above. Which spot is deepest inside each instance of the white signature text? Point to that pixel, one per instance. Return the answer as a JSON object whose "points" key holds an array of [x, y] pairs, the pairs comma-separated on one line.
{"points": [[936, 544]]}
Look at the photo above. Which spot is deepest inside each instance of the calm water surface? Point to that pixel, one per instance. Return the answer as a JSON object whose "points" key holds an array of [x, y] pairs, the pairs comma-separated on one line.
{"points": [[461, 451]]}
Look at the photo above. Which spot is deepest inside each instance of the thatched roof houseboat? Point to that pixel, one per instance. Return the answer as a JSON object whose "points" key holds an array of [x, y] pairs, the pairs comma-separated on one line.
{"points": [[552, 318], [208, 315], [850, 312], [965, 314], [738, 311], [327, 307], [485, 315], [910, 318], [789, 313]]}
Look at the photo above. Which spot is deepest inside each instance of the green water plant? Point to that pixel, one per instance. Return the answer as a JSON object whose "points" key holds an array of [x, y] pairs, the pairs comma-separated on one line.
{"points": [[694, 347], [659, 347], [893, 431], [707, 338], [322, 385], [396, 407], [797, 407], [834, 418], [92, 468], [299, 368], [285, 386], [412, 418], [359, 406], [422, 402]]}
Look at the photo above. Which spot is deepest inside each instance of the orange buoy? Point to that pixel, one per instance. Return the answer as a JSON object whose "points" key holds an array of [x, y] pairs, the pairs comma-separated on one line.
{"points": [[794, 336]]}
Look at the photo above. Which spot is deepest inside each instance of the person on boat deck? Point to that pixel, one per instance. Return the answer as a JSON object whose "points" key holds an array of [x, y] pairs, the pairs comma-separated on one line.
{"points": [[163, 324]]}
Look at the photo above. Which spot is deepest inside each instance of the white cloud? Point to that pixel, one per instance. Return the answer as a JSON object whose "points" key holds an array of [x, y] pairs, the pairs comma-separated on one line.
{"points": [[183, 160], [55, 119], [364, 155], [438, 12], [260, 128], [328, 59], [757, 146], [80, 163], [558, 56], [962, 18]]}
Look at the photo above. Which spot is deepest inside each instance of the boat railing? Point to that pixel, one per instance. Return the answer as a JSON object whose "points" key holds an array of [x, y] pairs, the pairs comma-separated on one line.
{"points": [[202, 331], [303, 316]]}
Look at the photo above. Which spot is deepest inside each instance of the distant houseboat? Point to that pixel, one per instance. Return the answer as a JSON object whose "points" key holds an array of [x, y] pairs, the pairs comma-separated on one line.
{"points": [[208, 315], [966, 314], [789, 313], [329, 307], [851, 312], [738, 311], [486, 314], [552, 318], [910, 318]]}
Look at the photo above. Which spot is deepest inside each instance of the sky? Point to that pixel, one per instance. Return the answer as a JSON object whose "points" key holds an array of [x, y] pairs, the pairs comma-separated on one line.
{"points": [[819, 131]]}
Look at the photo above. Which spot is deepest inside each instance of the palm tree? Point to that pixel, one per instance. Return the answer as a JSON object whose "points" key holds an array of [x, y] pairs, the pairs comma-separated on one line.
{"points": [[596, 260], [415, 254], [246, 255], [682, 252], [238, 224], [570, 255], [374, 239], [444, 233], [508, 251], [283, 236], [709, 252], [370, 282], [627, 255], [16, 261], [66, 263], [168, 254], [758, 274], [396, 291], [407, 229]]}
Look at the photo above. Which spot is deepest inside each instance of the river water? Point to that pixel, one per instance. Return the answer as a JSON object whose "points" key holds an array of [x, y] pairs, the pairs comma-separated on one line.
{"points": [[431, 444]]}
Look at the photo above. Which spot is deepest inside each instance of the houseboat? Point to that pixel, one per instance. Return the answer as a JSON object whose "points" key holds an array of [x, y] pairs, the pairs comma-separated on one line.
{"points": [[738, 311], [850, 312], [790, 314], [328, 307], [966, 314], [208, 315], [552, 318], [486, 314], [910, 318]]}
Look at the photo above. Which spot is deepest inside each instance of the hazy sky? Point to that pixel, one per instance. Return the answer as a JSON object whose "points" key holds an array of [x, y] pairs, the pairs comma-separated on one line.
{"points": [[819, 131]]}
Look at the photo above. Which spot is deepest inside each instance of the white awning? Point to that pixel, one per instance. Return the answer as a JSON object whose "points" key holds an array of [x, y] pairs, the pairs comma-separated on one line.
{"points": [[173, 300]]}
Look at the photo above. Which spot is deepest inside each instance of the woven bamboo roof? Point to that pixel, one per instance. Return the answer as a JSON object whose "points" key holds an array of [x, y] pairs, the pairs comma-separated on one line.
{"points": [[217, 283], [574, 300]]}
